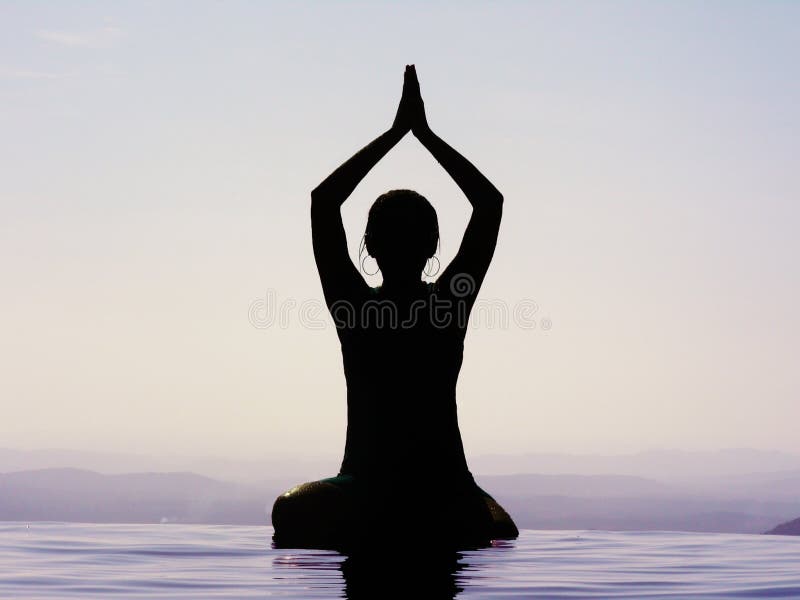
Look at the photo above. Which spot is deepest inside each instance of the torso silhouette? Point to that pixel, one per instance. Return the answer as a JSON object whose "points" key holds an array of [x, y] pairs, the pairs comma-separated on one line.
{"points": [[402, 356], [404, 473]]}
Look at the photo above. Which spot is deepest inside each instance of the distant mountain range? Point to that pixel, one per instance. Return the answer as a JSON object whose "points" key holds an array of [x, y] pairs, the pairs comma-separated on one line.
{"points": [[664, 465], [535, 501], [668, 466], [789, 528], [86, 496], [282, 469]]}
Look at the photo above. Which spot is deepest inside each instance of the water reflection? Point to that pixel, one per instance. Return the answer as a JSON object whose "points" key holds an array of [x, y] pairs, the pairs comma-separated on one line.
{"points": [[314, 573], [437, 574], [406, 574]]}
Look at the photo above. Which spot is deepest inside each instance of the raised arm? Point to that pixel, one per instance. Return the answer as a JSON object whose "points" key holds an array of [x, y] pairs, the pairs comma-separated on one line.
{"points": [[339, 276], [480, 238]]}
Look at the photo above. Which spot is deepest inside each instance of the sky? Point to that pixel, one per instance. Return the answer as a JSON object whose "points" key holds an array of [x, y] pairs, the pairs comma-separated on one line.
{"points": [[159, 291]]}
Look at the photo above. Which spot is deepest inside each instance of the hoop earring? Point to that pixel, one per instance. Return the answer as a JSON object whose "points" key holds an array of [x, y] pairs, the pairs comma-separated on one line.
{"points": [[361, 247], [365, 270], [429, 272]]}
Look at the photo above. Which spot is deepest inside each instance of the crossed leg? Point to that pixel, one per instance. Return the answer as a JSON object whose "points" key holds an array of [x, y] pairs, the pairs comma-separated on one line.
{"points": [[328, 514]]}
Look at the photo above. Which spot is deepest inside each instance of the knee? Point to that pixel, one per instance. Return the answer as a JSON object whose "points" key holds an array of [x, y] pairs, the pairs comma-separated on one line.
{"points": [[503, 526], [287, 506], [309, 512]]}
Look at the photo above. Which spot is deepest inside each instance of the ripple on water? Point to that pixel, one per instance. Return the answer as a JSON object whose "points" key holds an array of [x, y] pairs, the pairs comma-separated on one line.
{"points": [[174, 561]]}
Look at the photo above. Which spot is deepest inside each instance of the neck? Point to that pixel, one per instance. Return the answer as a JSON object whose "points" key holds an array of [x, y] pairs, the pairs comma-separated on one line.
{"points": [[403, 281]]}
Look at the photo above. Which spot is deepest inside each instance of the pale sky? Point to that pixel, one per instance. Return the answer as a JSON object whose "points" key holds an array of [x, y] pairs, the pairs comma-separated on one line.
{"points": [[157, 160]]}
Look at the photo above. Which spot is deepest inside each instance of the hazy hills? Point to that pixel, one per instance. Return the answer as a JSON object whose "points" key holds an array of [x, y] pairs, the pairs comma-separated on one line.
{"points": [[789, 528], [279, 468], [662, 465], [729, 500], [86, 496]]}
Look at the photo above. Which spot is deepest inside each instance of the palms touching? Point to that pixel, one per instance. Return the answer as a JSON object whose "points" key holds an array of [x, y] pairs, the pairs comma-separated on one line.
{"points": [[411, 111]]}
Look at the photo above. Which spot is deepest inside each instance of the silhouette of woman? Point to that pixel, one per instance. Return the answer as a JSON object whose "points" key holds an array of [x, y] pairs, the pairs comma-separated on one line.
{"points": [[404, 473]]}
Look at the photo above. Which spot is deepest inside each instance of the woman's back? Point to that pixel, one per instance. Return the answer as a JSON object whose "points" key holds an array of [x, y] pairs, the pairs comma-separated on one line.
{"points": [[402, 357]]}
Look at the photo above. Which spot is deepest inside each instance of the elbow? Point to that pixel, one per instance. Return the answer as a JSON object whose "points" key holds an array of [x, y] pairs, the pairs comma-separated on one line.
{"points": [[489, 203], [325, 200], [321, 206], [321, 194], [315, 208], [316, 199], [497, 201]]}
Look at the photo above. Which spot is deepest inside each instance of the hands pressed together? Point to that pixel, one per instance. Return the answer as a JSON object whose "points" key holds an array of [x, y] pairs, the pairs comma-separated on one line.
{"points": [[330, 243], [411, 111]]}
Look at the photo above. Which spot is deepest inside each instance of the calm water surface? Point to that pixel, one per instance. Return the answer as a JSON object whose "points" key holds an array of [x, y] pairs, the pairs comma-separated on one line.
{"points": [[65, 560]]}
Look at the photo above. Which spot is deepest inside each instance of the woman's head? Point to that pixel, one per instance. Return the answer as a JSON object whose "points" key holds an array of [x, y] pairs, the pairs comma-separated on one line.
{"points": [[402, 232]]}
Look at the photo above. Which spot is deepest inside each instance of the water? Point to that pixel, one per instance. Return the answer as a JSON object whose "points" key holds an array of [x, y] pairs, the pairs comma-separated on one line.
{"points": [[67, 560]]}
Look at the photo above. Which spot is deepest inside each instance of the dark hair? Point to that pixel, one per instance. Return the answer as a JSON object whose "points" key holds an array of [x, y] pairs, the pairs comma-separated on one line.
{"points": [[402, 222]]}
